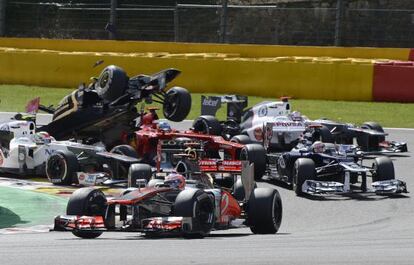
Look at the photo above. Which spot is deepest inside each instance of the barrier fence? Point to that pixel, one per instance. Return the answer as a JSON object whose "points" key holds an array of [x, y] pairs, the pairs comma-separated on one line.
{"points": [[324, 23]]}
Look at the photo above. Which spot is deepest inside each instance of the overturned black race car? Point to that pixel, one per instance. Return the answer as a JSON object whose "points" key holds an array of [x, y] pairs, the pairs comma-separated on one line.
{"points": [[105, 110]]}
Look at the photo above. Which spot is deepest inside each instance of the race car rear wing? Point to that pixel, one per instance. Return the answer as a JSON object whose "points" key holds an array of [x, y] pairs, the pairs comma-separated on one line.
{"points": [[235, 105]]}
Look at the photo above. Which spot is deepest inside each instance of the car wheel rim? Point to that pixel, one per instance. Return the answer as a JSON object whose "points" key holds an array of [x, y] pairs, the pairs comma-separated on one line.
{"points": [[57, 168]]}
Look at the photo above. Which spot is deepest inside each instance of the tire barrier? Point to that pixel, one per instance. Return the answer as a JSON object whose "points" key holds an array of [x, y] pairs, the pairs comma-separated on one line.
{"points": [[299, 77], [394, 81], [257, 70], [243, 50]]}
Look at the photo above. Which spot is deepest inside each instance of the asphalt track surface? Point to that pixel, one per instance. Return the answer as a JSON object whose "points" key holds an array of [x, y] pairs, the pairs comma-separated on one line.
{"points": [[358, 229]]}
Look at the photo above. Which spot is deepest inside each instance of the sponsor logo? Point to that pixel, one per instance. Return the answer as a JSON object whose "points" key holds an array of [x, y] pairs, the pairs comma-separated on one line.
{"points": [[262, 111], [207, 163], [288, 124], [258, 134], [210, 102], [231, 163], [224, 203]]}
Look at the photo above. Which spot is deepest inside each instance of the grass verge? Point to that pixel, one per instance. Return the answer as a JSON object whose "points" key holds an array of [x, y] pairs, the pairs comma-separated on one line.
{"points": [[14, 98]]}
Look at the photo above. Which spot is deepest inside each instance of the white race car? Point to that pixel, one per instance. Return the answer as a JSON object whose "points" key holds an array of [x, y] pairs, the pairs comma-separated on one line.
{"points": [[249, 125], [24, 151]]}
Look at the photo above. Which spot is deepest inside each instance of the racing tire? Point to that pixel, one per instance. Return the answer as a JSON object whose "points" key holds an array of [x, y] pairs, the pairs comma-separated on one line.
{"points": [[122, 167], [90, 202], [61, 167], [125, 149], [264, 211], [177, 104], [384, 169], [238, 190], [303, 169], [326, 135], [374, 126], [241, 139], [207, 124], [112, 83], [199, 205], [256, 154], [138, 171]]}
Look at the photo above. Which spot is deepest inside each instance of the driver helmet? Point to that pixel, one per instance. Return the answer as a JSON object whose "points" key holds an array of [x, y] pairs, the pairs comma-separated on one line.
{"points": [[43, 137], [175, 180], [318, 147], [164, 126], [296, 116]]}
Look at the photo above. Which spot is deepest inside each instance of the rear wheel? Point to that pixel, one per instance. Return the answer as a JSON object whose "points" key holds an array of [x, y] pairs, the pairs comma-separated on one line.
{"points": [[198, 205], [177, 104], [326, 135], [303, 169], [138, 171], [61, 167], [264, 211], [207, 124], [125, 149], [256, 154], [89, 202], [112, 83], [384, 169], [374, 126], [122, 169], [241, 139], [238, 190]]}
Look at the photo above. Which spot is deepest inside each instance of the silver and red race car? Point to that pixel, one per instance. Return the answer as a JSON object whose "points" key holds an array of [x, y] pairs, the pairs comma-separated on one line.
{"points": [[174, 205]]}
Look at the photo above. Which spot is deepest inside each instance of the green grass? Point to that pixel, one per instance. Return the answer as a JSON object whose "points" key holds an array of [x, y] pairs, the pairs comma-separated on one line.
{"points": [[15, 97]]}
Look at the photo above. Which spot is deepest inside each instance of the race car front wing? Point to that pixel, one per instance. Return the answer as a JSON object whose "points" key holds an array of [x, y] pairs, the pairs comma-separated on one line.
{"points": [[384, 187], [154, 225]]}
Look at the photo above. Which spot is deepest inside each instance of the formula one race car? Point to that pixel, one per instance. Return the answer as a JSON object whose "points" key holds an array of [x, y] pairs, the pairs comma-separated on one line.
{"points": [[175, 206], [106, 109], [324, 168], [152, 131], [287, 126], [370, 136], [246, 125], [24, 151]]}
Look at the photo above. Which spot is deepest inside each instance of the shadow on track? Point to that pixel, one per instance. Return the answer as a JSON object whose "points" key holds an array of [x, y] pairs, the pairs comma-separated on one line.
{"points": [[8, 218]]}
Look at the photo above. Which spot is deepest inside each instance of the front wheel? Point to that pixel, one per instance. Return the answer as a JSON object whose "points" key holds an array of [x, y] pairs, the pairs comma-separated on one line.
{"points": [[198, 205], [177, 104], [264, 211], [88, 202], [207, 124], [61, 167], [303, 169], [383, 169]]}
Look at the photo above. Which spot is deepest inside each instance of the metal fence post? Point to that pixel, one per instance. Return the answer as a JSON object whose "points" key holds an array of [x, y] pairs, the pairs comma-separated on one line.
{"points": [[340, 8], [3, 4], [113, 19], [223, 21], [176, 23]]}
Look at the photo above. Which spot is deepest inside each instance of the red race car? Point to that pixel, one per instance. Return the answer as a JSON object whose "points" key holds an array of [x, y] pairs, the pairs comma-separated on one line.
{"points": [[189, 207], [145, 141]]}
